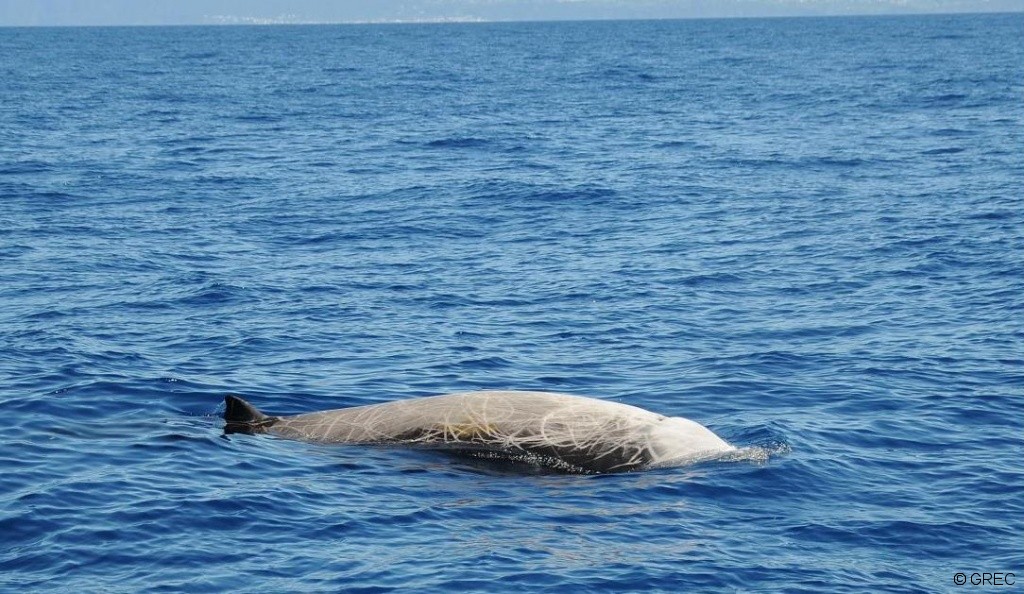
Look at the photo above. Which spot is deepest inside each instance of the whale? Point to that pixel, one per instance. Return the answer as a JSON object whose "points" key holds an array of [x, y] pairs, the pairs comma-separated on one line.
{"points": [[563, 432]]}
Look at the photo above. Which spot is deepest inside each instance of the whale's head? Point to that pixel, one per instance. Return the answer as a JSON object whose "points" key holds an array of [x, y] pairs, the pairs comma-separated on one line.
{"points": [[675, 441]]}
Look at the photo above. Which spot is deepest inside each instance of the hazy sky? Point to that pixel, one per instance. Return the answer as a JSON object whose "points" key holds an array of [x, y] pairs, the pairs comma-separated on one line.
{"points": [[161, 12]]}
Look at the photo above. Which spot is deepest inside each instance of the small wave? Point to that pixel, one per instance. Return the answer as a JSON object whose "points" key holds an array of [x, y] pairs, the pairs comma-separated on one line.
{"points": [[215, 293], [679, 144], [945, 100], [952, 132], [995, 215], [757, 444], [258, 118], [758, 454], [944, 151], [832, 162], [713, 279], [486, 363], [459, 142], [26, 166]]}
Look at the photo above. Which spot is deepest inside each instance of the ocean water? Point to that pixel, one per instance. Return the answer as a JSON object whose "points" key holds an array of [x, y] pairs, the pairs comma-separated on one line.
{"points": [[805, 234]]}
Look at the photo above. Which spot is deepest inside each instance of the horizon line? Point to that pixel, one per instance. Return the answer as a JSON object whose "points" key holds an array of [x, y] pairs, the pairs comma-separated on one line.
{"points": [[284, 20]]}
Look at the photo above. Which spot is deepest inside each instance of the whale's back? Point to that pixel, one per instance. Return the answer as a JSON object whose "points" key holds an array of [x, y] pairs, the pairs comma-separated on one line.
{"points": [[569, 432]]}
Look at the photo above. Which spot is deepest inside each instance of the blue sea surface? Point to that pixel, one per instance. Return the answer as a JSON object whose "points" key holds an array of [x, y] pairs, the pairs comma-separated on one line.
{"points": [[806, 234]]}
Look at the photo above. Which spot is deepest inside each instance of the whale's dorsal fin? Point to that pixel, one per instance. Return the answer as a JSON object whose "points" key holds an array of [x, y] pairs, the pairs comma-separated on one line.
{"points": [[242, 417]]}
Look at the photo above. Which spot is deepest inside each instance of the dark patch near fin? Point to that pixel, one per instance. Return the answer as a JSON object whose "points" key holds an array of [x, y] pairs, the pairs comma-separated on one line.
{"points": [[242, 417]]}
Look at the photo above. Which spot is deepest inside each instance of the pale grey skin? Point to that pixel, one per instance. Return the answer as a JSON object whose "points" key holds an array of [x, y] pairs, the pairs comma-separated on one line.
{"points": [[571, 433]]}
